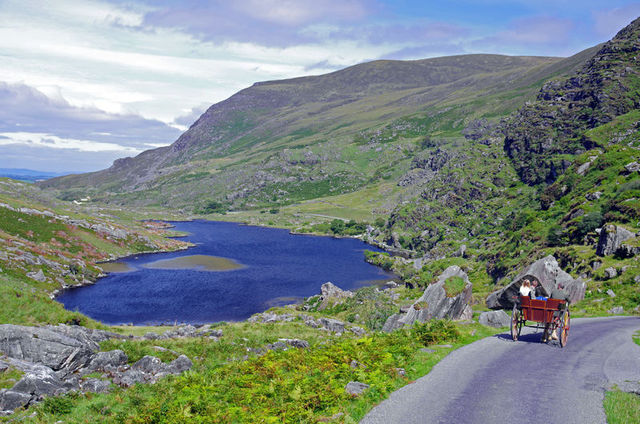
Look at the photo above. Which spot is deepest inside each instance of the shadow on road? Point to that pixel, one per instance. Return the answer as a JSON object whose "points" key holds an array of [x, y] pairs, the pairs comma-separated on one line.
{"points": [[527, 338]]}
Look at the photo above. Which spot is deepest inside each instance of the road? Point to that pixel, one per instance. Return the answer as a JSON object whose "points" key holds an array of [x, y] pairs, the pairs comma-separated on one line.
{"points": [[497, 380]]}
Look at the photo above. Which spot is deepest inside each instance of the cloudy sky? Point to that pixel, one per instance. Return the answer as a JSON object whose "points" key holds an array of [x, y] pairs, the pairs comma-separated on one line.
{"points": [[84, 82]]}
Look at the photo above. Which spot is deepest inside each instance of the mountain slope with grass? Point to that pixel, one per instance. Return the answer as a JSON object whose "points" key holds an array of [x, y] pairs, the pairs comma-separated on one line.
{"points": [[281, 142]]}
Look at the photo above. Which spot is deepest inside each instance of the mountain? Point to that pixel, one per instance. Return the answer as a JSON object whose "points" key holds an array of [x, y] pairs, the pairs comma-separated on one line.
{"points": [[280, 142], [494, 159], [607, 86]]}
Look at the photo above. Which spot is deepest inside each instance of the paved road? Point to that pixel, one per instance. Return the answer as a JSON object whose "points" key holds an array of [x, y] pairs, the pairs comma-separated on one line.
{"points": [[496, 380]]}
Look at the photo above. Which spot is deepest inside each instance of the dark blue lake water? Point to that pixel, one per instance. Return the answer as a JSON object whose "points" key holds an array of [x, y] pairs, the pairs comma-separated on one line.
{"points": [[279, 268]]}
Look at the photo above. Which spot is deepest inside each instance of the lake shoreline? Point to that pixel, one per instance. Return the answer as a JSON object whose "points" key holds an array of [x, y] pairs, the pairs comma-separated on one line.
{"points": [[195, 245]]}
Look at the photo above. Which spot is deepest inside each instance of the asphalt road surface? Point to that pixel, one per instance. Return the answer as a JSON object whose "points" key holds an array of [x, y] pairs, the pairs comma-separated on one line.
{"points": [[497, 380]]}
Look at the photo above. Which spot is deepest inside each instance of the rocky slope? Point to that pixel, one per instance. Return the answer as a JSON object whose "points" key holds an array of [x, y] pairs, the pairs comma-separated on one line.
{"points": [[542, 136]]}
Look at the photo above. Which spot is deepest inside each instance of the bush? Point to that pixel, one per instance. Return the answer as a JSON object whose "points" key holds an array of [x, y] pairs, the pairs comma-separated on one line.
{"points": [[435, 331], [59, 405], [588, 224], [337, 226]]}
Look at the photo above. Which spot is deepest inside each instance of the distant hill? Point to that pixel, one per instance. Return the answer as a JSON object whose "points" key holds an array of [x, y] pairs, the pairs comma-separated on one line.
{"points": [[279, 142], [29, 175]]}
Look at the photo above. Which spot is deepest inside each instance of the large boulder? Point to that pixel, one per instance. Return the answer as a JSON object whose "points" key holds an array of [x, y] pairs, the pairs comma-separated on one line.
{"points": [[332, 295], [611, 239], [496, 319], [436, 303], [548, 273], [46, 346]]}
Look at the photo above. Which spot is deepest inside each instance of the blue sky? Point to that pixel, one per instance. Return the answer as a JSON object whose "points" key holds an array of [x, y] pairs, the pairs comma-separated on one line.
{"points": [[85, 82]]}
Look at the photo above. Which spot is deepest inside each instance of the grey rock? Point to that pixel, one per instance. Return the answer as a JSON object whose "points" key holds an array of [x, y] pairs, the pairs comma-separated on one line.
{"points": [[300, 344], [358, 331], [636, 279], [393, 322], [355, 388], [626, 251], [427, 350], [632, 167], [268, 317], [333, 325], [596, 265], [38, 276], [594, 196], [332, 295], [548, 273], [95, 385], [11, 400], [610, 272], [113, 358], [389, 285], [611, 293], [49, 346], [151, 336], [582, 169], [462, 251], [616, 310], [434, 302], [276, 346], [495, 319], [39, 384], [179, 365], [131, 377], [148, 365], [401, 372], [611, 238]]}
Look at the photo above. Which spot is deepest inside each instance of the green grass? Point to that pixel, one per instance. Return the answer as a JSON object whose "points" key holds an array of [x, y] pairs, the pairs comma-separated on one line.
{"points": [[24, 304], [454, 285], [297, 385], [9, 377], [621, 407]]}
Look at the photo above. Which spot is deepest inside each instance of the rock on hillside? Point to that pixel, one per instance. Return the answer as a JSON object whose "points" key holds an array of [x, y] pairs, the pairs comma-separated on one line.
{"points": [[548, 273], [611, 239], [541, 133], [58, 359], [436, 302]]}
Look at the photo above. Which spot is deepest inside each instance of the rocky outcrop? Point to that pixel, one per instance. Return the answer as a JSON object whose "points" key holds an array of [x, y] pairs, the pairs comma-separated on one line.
{"points": [[332, 295], [435, 303], [56, 359], [496, 319], [548, 273], [611, 239]]}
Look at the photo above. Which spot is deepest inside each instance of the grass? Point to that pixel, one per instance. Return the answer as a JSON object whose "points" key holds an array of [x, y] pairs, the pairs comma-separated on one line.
{"points": [[296, 385], [9, 377], [621, 407], [454, 285]]}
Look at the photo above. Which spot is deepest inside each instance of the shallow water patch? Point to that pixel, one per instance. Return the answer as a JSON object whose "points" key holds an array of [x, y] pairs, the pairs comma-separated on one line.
{"points": [[197, 263]]}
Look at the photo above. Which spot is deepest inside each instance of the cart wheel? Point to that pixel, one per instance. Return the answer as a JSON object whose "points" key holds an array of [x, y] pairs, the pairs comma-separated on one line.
{"points": [[565, 322], [516, 325]]}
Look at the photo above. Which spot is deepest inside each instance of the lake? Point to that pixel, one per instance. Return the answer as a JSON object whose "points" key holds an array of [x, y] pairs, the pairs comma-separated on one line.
{"points": [[233, 272]]}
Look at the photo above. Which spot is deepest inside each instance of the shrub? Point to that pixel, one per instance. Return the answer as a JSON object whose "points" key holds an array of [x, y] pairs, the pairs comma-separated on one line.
{"points": [[337, 226], [59, 405], [435, 331]]}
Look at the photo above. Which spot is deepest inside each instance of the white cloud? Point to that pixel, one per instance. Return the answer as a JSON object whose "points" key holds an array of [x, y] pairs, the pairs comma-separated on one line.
{"points": [[52, 141]]}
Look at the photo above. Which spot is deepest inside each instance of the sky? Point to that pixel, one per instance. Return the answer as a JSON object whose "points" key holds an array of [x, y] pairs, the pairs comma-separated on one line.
{"points": [[84, 82]]}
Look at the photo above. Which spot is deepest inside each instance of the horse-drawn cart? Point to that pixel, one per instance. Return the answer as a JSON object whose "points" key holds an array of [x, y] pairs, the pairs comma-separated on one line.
{"points": [[551, 314]]}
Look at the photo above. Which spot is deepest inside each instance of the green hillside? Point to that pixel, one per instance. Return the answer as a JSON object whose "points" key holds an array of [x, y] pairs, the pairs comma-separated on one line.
{"points": [[282, 142]]}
